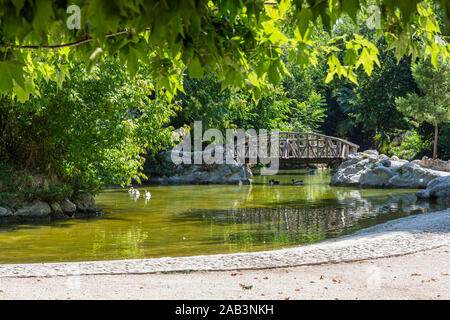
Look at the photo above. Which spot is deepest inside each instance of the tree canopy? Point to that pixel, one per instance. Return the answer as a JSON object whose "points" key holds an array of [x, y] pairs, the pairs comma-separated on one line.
{"points": [[433, 105], [241, 41]]}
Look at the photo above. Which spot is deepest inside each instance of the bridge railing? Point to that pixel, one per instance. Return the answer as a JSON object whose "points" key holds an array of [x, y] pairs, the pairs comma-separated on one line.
{"points": [[307, 146], [310, 145]]}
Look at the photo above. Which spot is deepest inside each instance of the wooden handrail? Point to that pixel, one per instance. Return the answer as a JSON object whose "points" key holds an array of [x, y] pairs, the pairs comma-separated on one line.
{"points": [[304, 146]]}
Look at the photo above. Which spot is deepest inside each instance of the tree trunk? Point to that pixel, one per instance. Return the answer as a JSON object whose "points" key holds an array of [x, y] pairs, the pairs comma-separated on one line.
{"points": [[372, 139], [436, 131]]}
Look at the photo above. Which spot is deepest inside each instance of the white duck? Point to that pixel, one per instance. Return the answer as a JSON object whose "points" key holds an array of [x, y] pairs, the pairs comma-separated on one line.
{"points": [[147, 195], [136, 195]]}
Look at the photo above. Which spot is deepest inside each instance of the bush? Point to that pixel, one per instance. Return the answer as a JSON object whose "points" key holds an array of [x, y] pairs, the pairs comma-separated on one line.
{"points": [[92, 132], [411, 147]]}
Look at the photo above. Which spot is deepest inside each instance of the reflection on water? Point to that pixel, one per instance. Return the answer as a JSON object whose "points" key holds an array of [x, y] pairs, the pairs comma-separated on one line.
{"points": [[192, 220]]}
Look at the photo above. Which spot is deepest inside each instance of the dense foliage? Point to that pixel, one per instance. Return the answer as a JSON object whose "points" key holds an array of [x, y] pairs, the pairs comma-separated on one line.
{"points": [[433, 104], [84, 108], [90, 132], [240, 41], [204, 100]]}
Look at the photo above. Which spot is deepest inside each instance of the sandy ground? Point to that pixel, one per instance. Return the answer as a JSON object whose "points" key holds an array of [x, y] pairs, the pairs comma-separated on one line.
{"points": [[422, 275]]}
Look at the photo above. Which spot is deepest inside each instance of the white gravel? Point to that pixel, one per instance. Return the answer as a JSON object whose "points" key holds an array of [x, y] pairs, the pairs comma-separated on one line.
{"points": [[397, 237]]}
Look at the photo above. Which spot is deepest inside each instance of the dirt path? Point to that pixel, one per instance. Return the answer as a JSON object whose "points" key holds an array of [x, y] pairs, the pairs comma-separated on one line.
{"points": [[423, 275]]}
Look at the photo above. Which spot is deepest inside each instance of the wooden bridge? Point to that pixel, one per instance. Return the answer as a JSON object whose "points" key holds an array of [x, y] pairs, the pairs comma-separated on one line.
{"points": [[299, 147]]}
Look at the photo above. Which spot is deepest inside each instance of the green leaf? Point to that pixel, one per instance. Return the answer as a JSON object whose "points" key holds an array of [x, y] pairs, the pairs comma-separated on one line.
{"points": [[6, 83], [132, 62], [303, 19], [274, 73], [195, 69], [351, 7], [366, 60]]}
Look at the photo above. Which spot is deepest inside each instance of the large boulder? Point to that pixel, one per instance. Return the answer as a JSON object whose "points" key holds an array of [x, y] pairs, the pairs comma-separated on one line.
{"points": [[56, 207], [438, 188], [369, 170], [413, 176], [67, 206], [228, 172], [85, 202], [4, 212], [36, 209], [379, 176]]}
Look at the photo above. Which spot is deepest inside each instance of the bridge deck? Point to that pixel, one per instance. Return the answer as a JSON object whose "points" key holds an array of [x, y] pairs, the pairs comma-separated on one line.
{"points": [[303, 147]]}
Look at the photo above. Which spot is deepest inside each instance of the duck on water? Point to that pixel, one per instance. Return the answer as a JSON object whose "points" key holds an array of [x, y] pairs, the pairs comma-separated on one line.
{"points": [[273, 182]]}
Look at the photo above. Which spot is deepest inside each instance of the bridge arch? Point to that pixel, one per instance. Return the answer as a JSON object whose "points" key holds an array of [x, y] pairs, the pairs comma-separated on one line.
{"points": [[299, 147]]}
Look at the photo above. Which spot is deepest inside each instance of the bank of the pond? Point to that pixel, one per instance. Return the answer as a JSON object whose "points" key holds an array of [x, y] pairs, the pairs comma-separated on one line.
{"points": [[369, 169], [421, 275], [394, 238], [82, 205]]}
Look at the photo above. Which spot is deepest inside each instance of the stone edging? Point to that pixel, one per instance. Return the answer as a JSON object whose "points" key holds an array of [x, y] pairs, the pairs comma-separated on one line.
{"points": [[396, 237]]}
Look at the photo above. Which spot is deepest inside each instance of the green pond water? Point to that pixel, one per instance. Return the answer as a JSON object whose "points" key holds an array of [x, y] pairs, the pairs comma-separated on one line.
{"points": [[209, 219]]}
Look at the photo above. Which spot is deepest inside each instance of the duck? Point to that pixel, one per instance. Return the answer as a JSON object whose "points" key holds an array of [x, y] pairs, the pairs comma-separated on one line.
{"points": [[297, 183], [147, 195], [131, 190], [313, 171], [273, 182]]}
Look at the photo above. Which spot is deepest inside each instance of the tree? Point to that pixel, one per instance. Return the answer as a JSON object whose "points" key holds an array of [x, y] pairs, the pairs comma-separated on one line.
{"points": [[375, 107], [366, 112], [241, 41], [91, 132], [433, 103]]}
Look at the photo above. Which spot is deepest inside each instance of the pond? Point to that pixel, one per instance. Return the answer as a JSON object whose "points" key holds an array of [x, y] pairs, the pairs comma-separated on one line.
{"points": [[210, 219]]}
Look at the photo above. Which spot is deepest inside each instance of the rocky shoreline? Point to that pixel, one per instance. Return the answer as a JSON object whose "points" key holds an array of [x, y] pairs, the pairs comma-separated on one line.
{"points": [[83, 205], [228, 172], [369, 169], [438, 188]]}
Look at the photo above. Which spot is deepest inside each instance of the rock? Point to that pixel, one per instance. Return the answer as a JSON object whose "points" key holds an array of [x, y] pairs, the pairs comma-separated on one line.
{"points": [[377, 177], [35, 209], [365, 170], [4, 212], [228, 172], [412, 176], [67, 206], [97, 209], [84, 202], [92, 212], [438, 188], [57, 212], [348, 176], [371, 152], [385, 162], [56, 208]]}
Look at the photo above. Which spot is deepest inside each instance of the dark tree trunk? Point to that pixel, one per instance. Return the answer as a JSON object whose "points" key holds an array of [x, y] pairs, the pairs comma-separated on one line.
{"points": [[436, 132], [372, 139]]}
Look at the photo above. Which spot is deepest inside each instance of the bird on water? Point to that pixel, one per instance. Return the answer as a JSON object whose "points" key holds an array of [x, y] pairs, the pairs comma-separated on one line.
{"points": [[273, 182]]}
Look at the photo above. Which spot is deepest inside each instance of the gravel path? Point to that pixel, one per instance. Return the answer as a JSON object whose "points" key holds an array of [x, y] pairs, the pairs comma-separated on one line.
{"points": [[398, 237], [422, 275]]}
